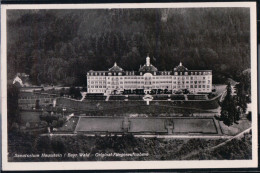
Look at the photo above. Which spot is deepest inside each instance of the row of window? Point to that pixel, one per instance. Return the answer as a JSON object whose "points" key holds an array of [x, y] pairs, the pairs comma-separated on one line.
{"points": [[153, 82], [103, 91], [174, 86], [149, 78], [161, 73], [43, 97]]}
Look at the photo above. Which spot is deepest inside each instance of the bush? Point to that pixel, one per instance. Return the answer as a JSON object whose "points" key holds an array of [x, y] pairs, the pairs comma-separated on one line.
{"points": [[249, 116]]}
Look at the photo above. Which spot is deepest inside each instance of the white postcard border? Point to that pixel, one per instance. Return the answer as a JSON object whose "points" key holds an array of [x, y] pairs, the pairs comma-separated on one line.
{"points": [[101, 165]]}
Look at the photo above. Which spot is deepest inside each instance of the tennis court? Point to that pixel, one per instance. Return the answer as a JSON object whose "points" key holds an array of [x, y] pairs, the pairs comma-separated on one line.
{"points": [[138, 125]]}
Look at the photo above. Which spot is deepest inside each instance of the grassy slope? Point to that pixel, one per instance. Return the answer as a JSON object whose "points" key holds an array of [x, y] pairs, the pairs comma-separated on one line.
{"points": [[235, 128]]}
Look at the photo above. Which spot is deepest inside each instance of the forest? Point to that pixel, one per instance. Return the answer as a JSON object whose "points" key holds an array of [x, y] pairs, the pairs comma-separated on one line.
{"points": [[60, 46], [157, 149]]}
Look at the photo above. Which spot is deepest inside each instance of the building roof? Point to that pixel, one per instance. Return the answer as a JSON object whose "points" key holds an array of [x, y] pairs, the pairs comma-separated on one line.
{"points": [[116, 68], [148, 67], [180, 67]]}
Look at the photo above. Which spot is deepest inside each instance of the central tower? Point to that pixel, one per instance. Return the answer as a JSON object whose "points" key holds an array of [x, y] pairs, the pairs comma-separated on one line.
{"points": [[147, 61]]}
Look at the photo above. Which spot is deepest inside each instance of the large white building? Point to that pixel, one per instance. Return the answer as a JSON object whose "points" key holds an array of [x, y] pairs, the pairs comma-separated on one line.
{"points": [[116, 80]]}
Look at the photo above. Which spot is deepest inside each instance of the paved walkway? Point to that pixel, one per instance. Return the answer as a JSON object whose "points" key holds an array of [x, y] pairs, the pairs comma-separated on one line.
{"points": [[152, 136]]}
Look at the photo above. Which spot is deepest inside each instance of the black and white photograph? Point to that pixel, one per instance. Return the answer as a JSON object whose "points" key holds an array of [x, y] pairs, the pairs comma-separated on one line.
{"points": [[112, 86]]}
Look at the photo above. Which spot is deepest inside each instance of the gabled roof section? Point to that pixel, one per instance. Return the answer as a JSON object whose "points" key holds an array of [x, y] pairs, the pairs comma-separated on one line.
{"points": [[148, 67], [180, 67], [116, 68]]}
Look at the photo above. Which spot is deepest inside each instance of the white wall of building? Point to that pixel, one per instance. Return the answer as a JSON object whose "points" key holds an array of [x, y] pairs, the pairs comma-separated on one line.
{"points": [[99, 83]]}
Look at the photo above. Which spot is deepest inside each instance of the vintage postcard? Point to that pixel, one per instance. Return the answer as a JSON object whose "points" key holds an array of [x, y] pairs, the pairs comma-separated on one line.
{"points": [[129, 86]]}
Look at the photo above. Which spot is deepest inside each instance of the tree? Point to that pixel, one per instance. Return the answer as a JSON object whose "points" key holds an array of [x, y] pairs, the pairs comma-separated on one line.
{"points": [[74, 92], [228, 108], [13, 115], [50, 48], [243, 88], [249, 116], [37, 104]]}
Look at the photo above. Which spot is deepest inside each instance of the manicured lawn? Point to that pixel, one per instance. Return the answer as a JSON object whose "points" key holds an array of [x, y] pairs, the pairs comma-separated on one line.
{"points": [[181, 125], [95, 124], [193, 125], [146, 125]]}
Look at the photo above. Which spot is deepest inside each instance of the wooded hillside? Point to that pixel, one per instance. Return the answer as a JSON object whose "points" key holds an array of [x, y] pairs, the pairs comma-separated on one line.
{"points": [[60, 46]]}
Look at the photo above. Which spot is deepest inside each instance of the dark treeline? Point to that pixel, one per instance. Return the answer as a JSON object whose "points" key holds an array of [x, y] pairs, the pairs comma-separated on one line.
{"points": [[60, 46]]}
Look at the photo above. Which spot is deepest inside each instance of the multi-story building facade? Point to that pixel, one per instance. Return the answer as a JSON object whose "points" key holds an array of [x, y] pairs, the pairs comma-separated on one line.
{"points": [[116, 80]]}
